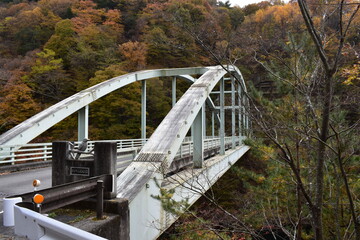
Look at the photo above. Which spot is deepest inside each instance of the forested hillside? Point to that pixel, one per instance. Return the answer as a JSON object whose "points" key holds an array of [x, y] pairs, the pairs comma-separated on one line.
{"points": [[300, 60]]}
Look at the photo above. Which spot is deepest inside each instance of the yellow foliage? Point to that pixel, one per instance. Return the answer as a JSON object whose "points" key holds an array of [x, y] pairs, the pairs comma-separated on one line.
{"points": [[352, 74]]}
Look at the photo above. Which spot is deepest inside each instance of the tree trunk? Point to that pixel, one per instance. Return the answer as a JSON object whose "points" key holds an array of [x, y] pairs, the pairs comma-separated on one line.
{"points": [[319, 191]]}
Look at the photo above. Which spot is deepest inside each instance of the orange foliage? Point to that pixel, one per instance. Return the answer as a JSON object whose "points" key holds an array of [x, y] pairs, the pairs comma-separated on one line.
{"points": [[16, 103], [87, 14], [135, 54], [276, 20]]}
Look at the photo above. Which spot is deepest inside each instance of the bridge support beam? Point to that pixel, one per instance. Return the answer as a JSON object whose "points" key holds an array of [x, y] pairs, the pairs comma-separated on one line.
{"points": [[143, 109], [239, 112], [246, 114], [173, 91], [204, 119], [222, 118], [83, 123], [198, 154], [233, 123], [213, 123], [244, 118]]}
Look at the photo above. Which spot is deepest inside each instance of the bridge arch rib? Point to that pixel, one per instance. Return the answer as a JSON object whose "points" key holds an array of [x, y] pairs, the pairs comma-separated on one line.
{"points": [[142, 179], [39, 123]]}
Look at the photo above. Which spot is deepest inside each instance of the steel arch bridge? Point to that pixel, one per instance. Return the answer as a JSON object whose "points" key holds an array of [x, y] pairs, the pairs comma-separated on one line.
{"points": [[149, 171]]}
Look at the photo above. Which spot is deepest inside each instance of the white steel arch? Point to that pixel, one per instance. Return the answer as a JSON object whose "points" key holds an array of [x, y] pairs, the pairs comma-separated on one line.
{"points": [[145, 176], [34, 126]]}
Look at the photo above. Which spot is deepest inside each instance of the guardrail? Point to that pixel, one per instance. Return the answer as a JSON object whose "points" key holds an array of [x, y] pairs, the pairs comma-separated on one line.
{"points": [[33, 226], [65, 194], [12, 154], [60, 196]]}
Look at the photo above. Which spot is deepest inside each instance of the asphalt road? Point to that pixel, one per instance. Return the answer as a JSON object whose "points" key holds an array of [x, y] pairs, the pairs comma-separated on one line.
{"points": [[21, 182]]}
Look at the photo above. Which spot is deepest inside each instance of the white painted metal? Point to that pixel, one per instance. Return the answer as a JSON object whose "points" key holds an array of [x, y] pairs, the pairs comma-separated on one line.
{"points": [[144, 177], [43, 151], [34, 126], [8, 206], [222, 118], [204, 119], [35, 226], [239, 110], [233, 124], [198, 153], [212, 124], [168, 137], [83, 123], [173, 91], [143, 109]]}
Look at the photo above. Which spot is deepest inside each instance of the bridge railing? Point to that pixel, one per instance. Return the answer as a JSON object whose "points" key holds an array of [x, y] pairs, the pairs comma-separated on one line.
{"points": [[12, 154], [43, 151], [26, 153]]}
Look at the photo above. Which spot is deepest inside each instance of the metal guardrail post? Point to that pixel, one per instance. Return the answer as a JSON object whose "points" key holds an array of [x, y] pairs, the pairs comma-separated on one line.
{"points": [[8, 206], [100, 199]]}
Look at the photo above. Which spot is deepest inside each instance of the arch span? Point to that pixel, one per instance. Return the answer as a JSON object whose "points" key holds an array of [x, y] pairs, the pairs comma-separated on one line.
{"points": [[143, 179], [34, 126], [164, 143]]}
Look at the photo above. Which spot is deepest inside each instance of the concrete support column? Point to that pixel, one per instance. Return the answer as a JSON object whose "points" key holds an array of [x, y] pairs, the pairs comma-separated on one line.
{"points": [[60, 153], [105, 154], [83, 123], [198, 154], [233, 133], [173, 91], [143, 109], [222, 118]]}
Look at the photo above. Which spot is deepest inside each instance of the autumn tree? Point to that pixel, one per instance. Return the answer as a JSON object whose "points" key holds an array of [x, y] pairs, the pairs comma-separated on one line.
{"points": [[330, 65], [309, 82], [17, 102], [31, 28], [47, 79], [117, 115], [134, 54]]}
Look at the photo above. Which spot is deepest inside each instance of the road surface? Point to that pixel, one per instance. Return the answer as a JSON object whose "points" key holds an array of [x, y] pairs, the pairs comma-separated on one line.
{"points": [[21, 182]]}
